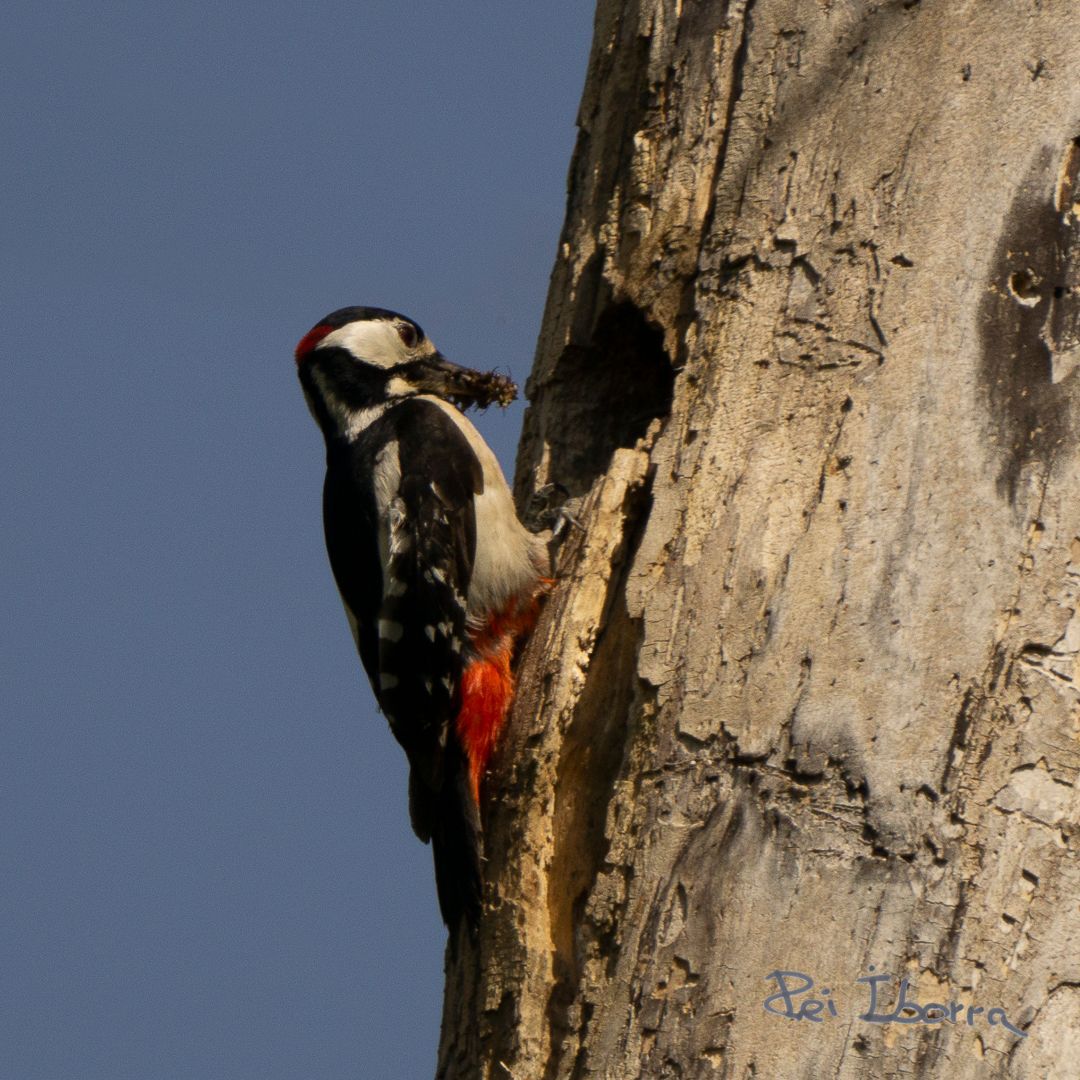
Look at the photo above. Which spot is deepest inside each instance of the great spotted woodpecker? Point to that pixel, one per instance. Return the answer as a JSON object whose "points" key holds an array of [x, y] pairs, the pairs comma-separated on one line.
{"points": [[438, 576]]}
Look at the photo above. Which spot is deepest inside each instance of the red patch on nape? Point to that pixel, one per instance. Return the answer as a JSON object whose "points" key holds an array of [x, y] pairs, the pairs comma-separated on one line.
{"points": [[311, 339], [487, 688]]}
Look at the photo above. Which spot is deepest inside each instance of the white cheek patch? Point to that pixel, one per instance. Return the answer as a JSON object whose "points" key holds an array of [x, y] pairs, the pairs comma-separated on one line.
{"points": [[377, 343]]}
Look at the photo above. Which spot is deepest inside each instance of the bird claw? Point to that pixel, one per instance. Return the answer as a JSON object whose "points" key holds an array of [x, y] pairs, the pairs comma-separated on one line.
{"points": [[564, 520]]}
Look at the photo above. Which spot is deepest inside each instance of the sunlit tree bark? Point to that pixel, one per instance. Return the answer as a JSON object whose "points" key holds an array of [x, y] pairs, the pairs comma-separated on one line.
{"points": [[806, 697]]}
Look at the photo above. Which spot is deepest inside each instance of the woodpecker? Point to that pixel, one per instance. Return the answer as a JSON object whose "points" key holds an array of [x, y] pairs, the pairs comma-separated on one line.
{"points": [[438, 577]]}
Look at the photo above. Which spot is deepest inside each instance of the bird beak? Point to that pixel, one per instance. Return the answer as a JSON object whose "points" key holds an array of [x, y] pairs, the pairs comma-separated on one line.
{"points": [[463, 386]]}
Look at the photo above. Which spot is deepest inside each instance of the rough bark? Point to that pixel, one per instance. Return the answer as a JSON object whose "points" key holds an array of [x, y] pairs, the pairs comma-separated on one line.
{"points": [[806, 696]]}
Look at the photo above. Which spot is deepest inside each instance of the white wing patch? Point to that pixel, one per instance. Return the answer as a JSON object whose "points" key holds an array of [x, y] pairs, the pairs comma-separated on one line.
{"points": [[390, 514]]}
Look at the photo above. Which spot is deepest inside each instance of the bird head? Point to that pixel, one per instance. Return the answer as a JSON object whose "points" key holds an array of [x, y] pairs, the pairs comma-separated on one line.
{"points": [[363, 356]]}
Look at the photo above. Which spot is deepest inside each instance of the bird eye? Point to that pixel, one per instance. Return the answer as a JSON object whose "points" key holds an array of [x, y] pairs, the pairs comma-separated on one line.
{"points": [[407, 333]]}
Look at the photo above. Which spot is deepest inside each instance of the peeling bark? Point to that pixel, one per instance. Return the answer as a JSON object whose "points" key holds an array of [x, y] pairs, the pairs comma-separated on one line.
{"points": [[807, 696]]}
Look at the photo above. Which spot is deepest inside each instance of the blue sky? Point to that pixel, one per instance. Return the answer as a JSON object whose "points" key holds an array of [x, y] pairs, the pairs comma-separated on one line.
{"points": [[206, 869]]}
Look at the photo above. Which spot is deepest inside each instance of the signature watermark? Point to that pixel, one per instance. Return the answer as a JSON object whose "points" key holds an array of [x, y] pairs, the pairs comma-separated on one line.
{"points": [[793, 999]]}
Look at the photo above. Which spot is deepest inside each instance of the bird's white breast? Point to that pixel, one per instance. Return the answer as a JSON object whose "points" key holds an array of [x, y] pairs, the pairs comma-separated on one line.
{"points": [[509, 559]]}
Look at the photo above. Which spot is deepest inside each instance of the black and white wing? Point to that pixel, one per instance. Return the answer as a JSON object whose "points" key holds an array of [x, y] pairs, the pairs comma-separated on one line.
{"points": [[416, 478], [429, 524]]}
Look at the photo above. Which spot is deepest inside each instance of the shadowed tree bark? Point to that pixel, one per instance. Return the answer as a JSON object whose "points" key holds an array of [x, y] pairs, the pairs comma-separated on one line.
{"points": [[806, 696]]}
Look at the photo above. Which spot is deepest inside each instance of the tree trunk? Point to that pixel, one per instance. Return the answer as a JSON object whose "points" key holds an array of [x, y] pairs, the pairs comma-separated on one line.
{"points": [[806, 696]]}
